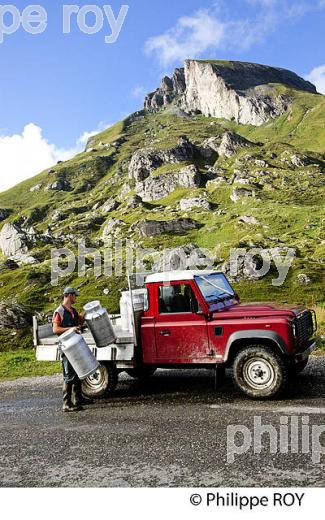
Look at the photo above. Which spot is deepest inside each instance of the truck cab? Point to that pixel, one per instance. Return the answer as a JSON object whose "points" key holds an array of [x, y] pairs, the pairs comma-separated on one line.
{"points": [[194, 319]]}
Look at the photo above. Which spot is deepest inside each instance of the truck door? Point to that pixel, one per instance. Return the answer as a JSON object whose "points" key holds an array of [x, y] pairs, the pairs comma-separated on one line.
{"points": [[180, 330]]}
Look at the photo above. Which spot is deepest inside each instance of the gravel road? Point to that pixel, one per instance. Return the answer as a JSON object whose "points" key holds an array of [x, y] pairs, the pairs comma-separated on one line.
{"points": [[170, 431]]}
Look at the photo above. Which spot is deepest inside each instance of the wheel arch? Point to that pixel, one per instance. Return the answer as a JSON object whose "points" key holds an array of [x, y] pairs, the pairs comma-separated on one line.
{"points": [[241, 339]]}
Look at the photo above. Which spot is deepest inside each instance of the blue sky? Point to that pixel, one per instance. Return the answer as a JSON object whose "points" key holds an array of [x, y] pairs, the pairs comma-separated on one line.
{"points": [[57, 88]]}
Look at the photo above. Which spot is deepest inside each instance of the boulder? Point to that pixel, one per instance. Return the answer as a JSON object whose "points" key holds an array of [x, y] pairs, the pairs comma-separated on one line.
{"points": [[112, 227], [13, 241], [109, 205], [245, 219], [303, 279], [37, 187], [230, 142], [59, 185], [14, 316], [298, 161], [59, 215], [216, 182], [134, 202], [261, 163], [152, 228], [194, 203], [185, 257], [241, 193]]}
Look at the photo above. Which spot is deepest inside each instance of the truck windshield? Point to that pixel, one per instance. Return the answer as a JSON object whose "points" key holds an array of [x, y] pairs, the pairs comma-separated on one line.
{"points": [[215, 288]]}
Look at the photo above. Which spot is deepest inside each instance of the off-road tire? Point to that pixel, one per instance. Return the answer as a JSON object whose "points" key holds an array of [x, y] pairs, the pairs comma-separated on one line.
{"points": [[259, 372], [141, 373], [102, 383]]}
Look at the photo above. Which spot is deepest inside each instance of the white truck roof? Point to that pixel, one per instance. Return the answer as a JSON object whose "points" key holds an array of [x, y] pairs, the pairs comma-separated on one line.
{"points": [[171, 276]]}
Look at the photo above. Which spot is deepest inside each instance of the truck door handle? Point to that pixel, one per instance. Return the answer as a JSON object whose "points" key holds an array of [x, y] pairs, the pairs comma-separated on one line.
{"points": [[165, 333]]}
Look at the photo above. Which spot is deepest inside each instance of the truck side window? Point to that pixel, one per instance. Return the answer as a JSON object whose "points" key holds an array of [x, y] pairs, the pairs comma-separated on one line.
{"points": [[176, 299]]}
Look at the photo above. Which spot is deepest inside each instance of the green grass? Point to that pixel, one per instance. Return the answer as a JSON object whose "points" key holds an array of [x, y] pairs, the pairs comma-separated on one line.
{"points": [[23, 364], [291, 214]]}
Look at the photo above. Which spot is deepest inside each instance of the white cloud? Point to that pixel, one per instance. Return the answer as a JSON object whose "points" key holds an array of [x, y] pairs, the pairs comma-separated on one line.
{"points": [[138, 92], [210, 30], [317, 77], [24, 155], [190, 38]]}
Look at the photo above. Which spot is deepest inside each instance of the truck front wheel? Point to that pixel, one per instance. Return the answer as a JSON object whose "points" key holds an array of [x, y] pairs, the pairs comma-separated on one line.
{"points": [[259, 372], [102, 383]]}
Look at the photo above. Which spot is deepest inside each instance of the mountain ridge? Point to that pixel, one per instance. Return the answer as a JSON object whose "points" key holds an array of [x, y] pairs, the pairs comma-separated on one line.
{"points": [[240, 91], [168, 179]]}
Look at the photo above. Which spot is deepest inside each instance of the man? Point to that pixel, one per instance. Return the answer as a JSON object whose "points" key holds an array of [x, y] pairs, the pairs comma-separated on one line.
{"points": [[66, 317]]}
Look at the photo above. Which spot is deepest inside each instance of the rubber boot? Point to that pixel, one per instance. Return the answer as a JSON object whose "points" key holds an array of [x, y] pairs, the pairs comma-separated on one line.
{"points": [[67, 399], [77, 398]]}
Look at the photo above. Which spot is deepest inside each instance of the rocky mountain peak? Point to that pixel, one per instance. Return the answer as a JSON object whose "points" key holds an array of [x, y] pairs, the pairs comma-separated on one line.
{"points": [[239, 91]]}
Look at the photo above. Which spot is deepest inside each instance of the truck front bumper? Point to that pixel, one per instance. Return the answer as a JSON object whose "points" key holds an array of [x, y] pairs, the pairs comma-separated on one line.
{"points": [[312, 345]]}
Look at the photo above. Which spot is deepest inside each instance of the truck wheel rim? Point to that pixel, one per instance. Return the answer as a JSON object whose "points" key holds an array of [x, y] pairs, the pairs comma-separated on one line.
{"points": [[259, 373], [96, 380]]}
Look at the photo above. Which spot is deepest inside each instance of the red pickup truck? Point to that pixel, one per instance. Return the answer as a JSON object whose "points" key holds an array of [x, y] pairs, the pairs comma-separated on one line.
{"points": [[194, 319]]}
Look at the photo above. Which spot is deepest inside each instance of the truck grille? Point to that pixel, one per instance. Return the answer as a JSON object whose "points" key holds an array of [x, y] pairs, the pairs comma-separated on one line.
{"points": [[304, 327]]}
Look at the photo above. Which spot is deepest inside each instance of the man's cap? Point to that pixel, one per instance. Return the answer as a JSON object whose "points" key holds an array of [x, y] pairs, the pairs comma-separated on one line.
{"points": [[71, 290]]}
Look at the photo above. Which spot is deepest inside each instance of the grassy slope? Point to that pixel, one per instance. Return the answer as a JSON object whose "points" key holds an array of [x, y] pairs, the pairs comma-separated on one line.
{"points": [[298, 205]]}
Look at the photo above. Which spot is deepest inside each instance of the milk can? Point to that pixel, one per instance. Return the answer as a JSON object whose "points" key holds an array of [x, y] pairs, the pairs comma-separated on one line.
{"points": [[138, 300], [99, 324], [79, 354]]}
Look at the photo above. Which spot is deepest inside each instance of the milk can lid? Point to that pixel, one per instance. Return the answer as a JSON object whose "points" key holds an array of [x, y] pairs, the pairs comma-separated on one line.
{"points": [[92, 306]]}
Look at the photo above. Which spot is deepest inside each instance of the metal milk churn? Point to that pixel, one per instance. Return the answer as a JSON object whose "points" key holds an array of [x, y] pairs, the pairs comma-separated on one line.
{"points": [[99, 324], [78, 353]]}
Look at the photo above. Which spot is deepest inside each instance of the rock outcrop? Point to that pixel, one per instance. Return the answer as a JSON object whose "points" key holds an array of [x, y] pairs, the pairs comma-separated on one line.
{"points": [[14, 316], [15, 242], [145, 161], [156, 188], [169, 89], [151, 228], [243, 92], [225, 145]]}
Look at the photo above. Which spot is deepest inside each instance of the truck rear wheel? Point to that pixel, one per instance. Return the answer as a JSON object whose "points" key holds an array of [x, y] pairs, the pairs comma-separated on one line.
{"points": [[102, 383], [259, 372]]}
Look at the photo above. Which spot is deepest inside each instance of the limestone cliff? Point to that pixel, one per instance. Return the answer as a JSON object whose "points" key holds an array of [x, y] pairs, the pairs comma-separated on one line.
{"points": [[242, 92]]}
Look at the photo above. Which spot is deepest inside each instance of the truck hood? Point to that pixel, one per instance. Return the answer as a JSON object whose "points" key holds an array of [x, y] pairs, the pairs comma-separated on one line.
{"points": [[242, 310]]}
